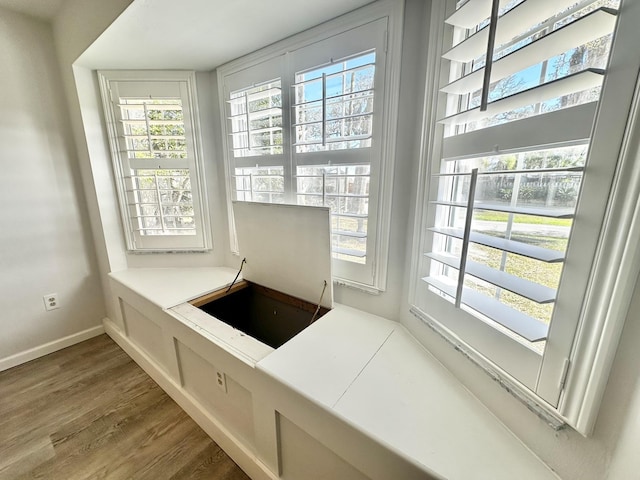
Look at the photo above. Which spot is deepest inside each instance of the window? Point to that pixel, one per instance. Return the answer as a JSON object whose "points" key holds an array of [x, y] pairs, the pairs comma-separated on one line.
{"points": [[313, 126], [152, 131], [520, 165]]}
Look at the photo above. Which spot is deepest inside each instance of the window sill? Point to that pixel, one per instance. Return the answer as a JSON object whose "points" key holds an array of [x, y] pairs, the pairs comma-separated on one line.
{"points": [[357, 286], [544, 412]]}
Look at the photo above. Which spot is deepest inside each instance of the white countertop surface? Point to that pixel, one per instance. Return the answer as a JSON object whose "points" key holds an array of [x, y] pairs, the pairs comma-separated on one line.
{"points": [[168, 287], [372, 373]]}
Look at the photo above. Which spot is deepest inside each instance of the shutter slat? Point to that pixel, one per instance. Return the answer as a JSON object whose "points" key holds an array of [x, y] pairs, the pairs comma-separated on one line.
{"points": [[356, 95], [259, 95], [530, 328], [565, 127], [151, 106], [350, 215], [348, 233], [167, 229], [349, 251], [164, 215], [337, 74], [350, 138], [573, 83], [518, 20], [258, 130], [156, 204], [535, 211], [520, 286], [512, 246], [335, 119], [472, 13], [155, 163], [513, 172], [151, 122], [585, 29], [153, 137], [260, 113]]}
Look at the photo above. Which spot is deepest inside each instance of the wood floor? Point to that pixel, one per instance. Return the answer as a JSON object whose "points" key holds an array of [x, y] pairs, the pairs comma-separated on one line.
{"points": [[89, 412]]}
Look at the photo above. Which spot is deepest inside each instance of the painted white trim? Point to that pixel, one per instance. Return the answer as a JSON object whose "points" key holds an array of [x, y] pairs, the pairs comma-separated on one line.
{"points": [[50, 347], [428, 139], [545, 412], [616, 269], [233, 447]]}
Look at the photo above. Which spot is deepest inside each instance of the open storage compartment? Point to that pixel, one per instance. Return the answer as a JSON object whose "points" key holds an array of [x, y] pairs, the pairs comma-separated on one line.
{"points": [[261, 312], [286, 269]]}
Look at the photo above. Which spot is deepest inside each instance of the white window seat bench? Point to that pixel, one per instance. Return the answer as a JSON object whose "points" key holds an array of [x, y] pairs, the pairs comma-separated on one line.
{"points": [[353, 396]]}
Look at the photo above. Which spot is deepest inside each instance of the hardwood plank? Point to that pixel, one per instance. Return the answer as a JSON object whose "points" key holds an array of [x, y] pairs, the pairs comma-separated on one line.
{"points": [[89, 411], [207, 464], [25, 457]]}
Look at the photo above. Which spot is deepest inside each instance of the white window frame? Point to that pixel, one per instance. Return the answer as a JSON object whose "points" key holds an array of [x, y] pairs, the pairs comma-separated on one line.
{"points": [[579, 353], [265, 64], [183, 82]]}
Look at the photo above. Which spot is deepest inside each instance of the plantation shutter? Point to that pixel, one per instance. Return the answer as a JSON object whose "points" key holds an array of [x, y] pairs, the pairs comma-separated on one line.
{"points": [[515, 128], [332, 131], [336, 105], [305, 128], [257, 142], [257, 138], [152, 139]]}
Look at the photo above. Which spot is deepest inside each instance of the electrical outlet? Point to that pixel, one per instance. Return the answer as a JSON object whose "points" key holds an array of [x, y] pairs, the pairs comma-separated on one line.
{"points": [[221, 381], [51, 301]]}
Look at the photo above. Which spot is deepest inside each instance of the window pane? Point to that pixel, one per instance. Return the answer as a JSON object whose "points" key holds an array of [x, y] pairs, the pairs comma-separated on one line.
{"points": [[164, 202], [345, 190], [256, 120], [260, 184], [153, 128], [334, 105], [528, 198]]}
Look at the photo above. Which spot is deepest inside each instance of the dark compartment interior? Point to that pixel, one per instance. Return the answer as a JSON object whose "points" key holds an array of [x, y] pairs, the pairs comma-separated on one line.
{"points": [[267, 315]]}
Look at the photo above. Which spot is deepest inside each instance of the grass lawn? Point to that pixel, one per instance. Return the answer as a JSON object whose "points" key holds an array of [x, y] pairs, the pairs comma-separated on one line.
{"points": [[490, 216], [540, 272]]}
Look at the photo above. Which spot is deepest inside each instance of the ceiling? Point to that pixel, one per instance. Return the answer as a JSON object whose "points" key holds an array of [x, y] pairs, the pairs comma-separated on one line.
{"points": [[201, 34], [43, 9]]}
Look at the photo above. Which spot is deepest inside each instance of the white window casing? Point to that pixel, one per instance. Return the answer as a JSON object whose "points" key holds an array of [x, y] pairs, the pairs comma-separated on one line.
{"points": [[153, 129], [320, 110], [515, 261]]}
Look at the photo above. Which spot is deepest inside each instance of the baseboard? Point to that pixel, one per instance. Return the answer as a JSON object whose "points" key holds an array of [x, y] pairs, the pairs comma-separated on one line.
{"points": [[232, 446], [47, 348]]}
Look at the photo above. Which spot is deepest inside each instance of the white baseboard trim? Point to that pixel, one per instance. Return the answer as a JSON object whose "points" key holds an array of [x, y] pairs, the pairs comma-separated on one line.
{"points": [[47, 348], [233, 447]]}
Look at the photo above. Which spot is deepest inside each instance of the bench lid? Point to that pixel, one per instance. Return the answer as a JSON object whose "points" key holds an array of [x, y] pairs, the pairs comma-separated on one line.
{"points": [[287, 248]]}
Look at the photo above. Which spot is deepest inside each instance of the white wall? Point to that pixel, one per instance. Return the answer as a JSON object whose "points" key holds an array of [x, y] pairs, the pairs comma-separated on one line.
{"points": [[388, 304], [45, 243]]}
